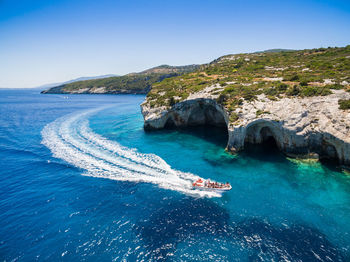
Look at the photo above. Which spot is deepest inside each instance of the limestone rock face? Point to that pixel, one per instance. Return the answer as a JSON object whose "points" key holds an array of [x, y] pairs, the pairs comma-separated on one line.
{"points": [[191, 112], [301, 127]]}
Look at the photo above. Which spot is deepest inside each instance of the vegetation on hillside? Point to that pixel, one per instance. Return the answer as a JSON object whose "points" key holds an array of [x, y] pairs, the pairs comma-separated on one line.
{"points": [[136, 83], [344, 104], [242, 77]]}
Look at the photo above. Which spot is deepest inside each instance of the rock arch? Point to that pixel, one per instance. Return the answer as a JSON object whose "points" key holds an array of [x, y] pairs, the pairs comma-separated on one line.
{"points": [[262, 130], [313, 145], [206, 114], [327, 150], [192, 113], [170, 123], [301, 140]]}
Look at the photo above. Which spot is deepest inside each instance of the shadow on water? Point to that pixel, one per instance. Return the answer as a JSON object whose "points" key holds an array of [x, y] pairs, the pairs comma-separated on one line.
{"points": [[265, 151], [331, 164], [189, 219], [268, 151], [216, 135]]}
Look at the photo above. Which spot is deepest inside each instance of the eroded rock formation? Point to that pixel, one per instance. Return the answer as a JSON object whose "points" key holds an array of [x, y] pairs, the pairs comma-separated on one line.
{"points": [[302, 127], [192, 112]]}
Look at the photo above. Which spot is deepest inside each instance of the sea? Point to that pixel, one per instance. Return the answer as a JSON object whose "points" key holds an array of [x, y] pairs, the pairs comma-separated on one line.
{"points": [[82, 181]]}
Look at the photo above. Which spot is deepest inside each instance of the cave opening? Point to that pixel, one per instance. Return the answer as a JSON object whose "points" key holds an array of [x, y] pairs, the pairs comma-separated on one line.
{"points": [[260, 143], [204, 121], [170, 124], [328, 155], [268, 141], [207, 115]]}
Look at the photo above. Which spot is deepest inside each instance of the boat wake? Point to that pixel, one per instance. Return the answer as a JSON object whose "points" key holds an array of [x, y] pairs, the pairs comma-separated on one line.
{"points": [[71, 139]]}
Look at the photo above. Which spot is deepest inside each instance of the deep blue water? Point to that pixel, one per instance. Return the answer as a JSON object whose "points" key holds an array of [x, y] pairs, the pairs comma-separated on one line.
{"points": [[73, 189]]}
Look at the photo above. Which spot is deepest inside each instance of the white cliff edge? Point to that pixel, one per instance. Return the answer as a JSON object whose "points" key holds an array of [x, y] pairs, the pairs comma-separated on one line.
{"points": [[302, 127]]}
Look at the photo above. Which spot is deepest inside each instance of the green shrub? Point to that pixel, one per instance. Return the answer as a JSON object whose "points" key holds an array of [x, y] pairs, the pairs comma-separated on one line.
{"points": [[294, 91], [223, 83], [294, 77], [222, 98], [238, 102], [324, 91], [229, 89], [231, 107], [335, 86], [304, 83], [152, 104], [270, 91], [272, 98], [249, 95], [172, 101], [234, 117], [282, 87], [309, 91], [315, 91], [260, 112], [238, 65], [344, 104]]}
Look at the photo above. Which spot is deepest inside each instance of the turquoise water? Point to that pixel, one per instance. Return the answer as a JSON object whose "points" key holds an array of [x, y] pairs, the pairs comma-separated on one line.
{"points": [[81, 180]]}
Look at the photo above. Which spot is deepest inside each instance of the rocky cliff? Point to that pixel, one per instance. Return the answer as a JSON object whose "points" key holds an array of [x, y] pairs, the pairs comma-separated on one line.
{"points": [[303, 124], [307, 127]]}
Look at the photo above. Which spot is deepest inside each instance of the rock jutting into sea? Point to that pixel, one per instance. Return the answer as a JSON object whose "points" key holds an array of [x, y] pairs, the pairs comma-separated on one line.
{"points": [[302, 127], [298, 99]]}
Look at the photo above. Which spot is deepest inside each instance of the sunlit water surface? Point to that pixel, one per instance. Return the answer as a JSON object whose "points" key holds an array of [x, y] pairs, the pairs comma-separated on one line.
{"points": [[81, 180]]}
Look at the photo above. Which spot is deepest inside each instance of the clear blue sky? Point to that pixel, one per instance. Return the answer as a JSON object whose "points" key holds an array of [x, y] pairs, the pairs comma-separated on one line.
{"points": [[44, 41]]}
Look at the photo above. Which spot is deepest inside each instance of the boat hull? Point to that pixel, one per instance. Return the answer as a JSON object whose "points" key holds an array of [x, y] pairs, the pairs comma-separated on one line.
{"points": [[212, 189]]}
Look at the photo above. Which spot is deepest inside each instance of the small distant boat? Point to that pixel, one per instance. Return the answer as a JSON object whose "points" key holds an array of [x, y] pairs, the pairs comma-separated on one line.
{"points": [[211, 185]]}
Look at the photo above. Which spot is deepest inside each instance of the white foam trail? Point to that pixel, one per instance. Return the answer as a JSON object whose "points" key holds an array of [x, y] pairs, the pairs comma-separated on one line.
{"points": [[71, 139]]}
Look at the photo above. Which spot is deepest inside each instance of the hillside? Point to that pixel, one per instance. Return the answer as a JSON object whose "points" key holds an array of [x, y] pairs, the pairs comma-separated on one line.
{"points": [[134, 83], [277, 74], [47, 86], [301, 98]]}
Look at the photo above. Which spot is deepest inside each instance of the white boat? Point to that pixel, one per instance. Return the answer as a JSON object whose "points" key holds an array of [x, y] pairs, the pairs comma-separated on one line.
{"points": [[211, 185]]}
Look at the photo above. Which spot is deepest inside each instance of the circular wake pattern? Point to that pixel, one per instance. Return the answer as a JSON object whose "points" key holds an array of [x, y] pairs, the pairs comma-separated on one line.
{"points": [[71, 139]]}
